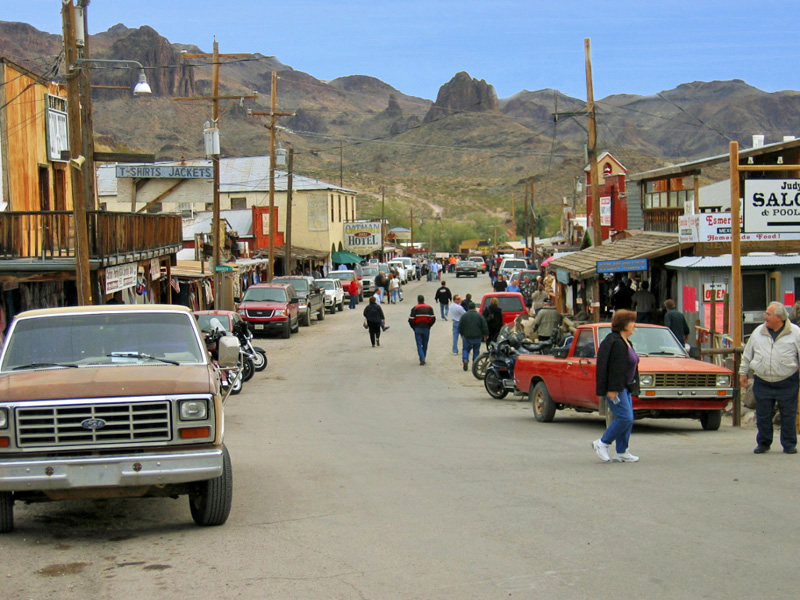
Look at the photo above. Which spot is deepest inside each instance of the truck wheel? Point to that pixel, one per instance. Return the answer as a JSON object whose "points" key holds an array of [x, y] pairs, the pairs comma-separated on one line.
{"points": [[480, 366], [307, 319], [340, 308], [211, 502], [296, 325], [711, 420], [287, 331], [6, 512], [321, 314], [544, 409], [494, 386], [333, 308]]}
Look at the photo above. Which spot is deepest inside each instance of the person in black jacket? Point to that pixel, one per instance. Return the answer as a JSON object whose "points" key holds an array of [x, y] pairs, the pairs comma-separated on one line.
{"points": [[373, 316], [494, 318], [617, 380]]}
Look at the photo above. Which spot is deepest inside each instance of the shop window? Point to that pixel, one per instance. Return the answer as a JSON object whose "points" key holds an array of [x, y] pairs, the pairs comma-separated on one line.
{"points": [[238, 203]]}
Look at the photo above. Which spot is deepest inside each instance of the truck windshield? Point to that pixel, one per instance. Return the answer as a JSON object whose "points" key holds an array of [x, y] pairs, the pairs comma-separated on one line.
{"points": [[650, 341], [93, 339]]}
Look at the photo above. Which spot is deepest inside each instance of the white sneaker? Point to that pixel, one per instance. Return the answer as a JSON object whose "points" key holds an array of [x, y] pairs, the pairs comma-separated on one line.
{"points": [[626, 457], [602, 450]]}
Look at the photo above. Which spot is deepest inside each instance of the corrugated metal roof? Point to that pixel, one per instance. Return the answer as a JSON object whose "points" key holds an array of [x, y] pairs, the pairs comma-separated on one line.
{"points": [[724, 261], [583, 264], [240, 221], [239, 174]]}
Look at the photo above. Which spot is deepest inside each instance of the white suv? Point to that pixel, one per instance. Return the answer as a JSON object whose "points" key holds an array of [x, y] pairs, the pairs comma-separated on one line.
{"points": [[334, 294], [511, 267]]}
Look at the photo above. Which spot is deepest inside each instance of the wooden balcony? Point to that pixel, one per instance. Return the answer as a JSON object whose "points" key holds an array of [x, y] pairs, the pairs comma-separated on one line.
{"points": [[112, 236], [662, 220]]}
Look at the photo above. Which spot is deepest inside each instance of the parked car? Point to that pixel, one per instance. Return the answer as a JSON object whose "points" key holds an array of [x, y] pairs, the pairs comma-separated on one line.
{"points": [[467, 268], [271, 307], [480, 263], [368, 275], [116, 401], [334, 294], [510, 267], [673, 385], [511, 303], [312, 298], [346, 277], [409, 264]]}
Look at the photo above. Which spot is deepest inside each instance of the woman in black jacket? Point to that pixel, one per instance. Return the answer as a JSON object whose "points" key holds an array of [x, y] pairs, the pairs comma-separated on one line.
{"points": [[617, 380], [494, 318], [373, 317]]}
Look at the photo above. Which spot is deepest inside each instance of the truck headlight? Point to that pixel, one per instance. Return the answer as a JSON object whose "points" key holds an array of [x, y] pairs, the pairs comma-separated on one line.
{"points": [[280, 313], [646, 379], [193, 410], [723, 381], [3, 418]]}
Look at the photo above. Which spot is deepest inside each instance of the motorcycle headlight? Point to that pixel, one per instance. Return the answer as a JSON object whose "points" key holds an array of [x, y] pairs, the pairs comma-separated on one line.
{"points": [[723, 381], [193, 410], [646, 379]]}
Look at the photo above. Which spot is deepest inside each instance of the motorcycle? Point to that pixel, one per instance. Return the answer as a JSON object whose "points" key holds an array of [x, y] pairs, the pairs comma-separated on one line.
{"points": [[499, 379], [230, 378], [481, 365], [256, 355]]}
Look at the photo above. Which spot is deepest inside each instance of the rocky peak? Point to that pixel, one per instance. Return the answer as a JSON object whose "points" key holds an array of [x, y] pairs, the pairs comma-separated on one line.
{"points": [[463, 94], [394, 109]]}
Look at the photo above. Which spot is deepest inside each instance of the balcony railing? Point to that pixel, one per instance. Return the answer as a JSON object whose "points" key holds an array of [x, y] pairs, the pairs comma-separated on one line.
{"points": [[663, 220], [51, 234]]}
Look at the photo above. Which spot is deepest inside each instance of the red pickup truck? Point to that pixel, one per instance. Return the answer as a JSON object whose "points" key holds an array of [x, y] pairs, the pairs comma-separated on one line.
{"points": [[673, 385]]}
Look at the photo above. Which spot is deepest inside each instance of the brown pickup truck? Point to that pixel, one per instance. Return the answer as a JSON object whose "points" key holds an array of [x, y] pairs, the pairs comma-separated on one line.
{"points": [[673, 385], [112, 401]]}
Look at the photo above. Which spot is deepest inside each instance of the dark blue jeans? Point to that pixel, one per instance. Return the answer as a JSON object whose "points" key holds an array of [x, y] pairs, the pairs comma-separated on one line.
{"points": [[767, 394], [421, 336], [353, 300], [622, 425], [473, 344]]}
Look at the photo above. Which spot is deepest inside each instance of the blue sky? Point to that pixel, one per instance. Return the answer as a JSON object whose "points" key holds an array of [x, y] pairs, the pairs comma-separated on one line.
{"points": [[638, 46]]}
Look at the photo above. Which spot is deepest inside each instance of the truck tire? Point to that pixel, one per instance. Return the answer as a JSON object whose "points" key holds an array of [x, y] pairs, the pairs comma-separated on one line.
{"points": [[494, 385], [544, 409], [287, 331], [296, 325], [307, 319], [321, 313], [480, 365], [711, 420], [211, 502], [340, 308], [333, 308], [6, 512]]}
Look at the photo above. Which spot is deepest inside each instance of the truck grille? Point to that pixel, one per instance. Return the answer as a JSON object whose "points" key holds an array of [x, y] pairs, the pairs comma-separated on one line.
{"points": [[93, 424], [261, 314], [686, 380]]}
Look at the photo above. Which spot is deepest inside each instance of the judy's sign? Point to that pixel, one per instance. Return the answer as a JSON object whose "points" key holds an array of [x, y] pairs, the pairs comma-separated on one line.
{"points": [[771, 205]]}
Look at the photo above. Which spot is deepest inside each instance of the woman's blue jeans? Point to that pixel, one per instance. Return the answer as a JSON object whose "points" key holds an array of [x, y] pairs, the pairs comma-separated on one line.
{"points": [[622, 425]]}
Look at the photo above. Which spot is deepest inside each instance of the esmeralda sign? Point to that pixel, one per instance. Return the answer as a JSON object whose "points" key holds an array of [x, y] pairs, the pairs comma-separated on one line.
{"points": [[362, 238], [771, 205]]}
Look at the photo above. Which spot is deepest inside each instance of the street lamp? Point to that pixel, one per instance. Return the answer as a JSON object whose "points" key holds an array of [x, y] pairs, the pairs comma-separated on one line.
{"points": [[141, 87]]}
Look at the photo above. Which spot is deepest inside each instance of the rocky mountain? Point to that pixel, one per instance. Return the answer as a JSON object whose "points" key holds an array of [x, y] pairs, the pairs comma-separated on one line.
{"points": [[459, 157]]}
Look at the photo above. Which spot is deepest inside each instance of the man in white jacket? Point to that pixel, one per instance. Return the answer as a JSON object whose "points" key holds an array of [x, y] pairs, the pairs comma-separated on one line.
{"points": [[772, 355]]}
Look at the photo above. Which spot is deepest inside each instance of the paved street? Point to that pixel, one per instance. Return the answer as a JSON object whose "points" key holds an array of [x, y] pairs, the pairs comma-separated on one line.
{"points": [[360, 474]]}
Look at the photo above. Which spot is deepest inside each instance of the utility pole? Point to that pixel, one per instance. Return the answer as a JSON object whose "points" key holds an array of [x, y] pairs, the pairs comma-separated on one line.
{"points": [[597, 230], [383, 223], [273, 124], [289, 183], [513, 214], [341, 166], [533, 226], [216, 226], [74, 75], [412, 228]]}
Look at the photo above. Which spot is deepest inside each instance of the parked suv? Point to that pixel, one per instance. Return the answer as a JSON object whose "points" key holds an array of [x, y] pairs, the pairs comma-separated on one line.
{"points": [[334, 294], [271, 307], [510, 267], [312, 299]]}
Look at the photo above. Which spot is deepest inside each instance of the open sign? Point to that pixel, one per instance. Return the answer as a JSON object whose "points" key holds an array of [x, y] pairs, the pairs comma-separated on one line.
{"points": [[717, 289]]}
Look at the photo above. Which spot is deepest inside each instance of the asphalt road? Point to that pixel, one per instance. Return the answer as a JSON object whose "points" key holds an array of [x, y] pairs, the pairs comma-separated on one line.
{"points": [[360, 474]]}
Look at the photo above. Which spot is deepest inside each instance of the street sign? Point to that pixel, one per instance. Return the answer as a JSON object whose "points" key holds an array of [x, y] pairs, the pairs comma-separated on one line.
{"points": [[622, 266], [223, 268]]}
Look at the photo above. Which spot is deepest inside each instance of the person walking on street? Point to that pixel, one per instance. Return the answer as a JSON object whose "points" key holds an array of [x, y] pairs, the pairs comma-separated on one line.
{"points": [[473, 329], [547, 322], [617, 380], [494, 318], [623, 297], [675, 320], [421, 320], [456, 312], [539, 298], [352, 289], [373, 315], [443, 297], [394, 289], [643, 302], [500, 284], [772, 356]]}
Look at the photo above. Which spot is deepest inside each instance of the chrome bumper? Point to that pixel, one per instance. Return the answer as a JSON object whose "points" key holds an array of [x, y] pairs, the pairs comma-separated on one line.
{"points": [[109, 471]]}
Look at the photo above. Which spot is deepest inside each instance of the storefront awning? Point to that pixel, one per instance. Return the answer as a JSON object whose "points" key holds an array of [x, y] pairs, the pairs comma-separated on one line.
{"points": [[583, 264], [344, 257]]}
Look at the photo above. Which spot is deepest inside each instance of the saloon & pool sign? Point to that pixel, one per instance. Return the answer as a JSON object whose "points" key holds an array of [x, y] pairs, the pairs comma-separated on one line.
{"points": [[771, 205]]}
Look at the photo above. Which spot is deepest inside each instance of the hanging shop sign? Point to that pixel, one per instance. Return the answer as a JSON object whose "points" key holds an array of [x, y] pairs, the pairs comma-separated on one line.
{"points": [[622, 266], [362, 238], [716, 227], [771, 205], [165, 172], [121, 277]]}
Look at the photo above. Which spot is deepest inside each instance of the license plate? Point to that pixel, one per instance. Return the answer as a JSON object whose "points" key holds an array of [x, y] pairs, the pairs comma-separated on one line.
{"points": [[259, 327]]}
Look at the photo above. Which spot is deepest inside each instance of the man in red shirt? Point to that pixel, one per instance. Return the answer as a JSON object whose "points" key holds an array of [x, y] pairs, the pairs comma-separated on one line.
{"points": [[421, 320], [352, 289]]}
